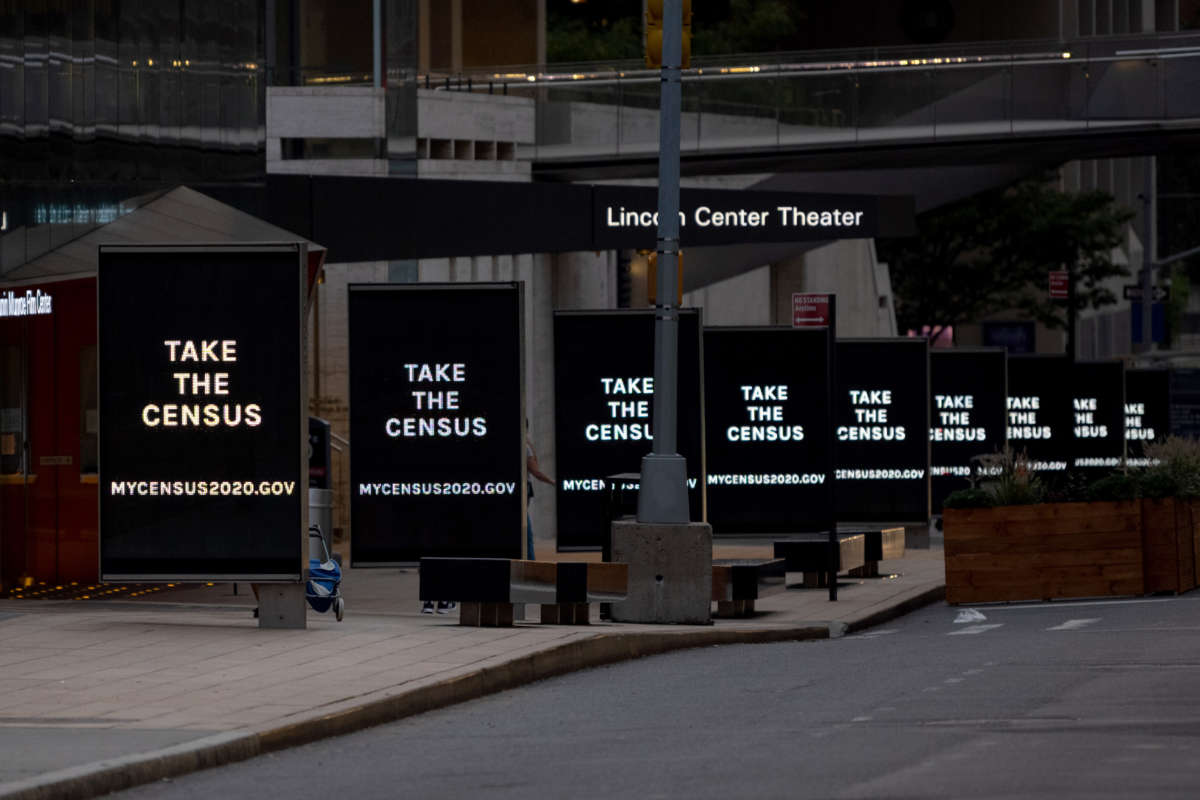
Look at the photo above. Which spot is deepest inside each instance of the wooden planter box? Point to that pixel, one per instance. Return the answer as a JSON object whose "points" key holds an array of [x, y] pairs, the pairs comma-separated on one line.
{"points": [[1169, 530], [1044, 551]]}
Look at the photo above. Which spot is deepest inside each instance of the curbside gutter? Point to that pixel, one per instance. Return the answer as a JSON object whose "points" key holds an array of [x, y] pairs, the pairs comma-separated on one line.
{"points": [[113, 775]]}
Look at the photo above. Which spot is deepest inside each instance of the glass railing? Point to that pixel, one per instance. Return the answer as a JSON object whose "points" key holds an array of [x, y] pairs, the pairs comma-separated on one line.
{"points": [[812, 99]]}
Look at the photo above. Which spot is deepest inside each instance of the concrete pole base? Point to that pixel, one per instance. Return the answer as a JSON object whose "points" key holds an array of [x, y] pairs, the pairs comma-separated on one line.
{"points": [[670, 572], [282, 605]]}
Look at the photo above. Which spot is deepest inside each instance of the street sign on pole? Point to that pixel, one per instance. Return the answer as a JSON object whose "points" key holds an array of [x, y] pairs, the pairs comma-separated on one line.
{"points": [[1133, 291], [1059, 284], [812, 310]]}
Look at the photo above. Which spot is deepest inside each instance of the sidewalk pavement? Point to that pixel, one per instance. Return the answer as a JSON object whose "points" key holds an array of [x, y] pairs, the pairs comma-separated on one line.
{"points": [[99, 695]]}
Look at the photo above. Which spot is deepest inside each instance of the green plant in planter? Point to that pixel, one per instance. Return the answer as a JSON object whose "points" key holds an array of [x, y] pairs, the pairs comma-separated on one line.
{"points": [[1015, 484], [1116, 487], [969, 498], [1175, 470]]}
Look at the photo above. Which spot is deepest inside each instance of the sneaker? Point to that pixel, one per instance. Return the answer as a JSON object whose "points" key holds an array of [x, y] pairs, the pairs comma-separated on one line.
{"points": [[427, 607], [444, 607]]}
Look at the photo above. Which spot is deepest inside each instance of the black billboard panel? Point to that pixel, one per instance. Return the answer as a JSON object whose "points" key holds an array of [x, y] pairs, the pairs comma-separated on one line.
{"points": [[967, 391], [767, 417], [881, 419], [1039, 411], [603, 404], [1147, 412], [203, 419], [1098, 414], [1185, 402], [437, 419]]}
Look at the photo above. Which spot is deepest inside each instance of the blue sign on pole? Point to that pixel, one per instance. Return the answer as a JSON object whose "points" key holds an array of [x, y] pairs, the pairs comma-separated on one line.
{"points": [[1158, 321]]}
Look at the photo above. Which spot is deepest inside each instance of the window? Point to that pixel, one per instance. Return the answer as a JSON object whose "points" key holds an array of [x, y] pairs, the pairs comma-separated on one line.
{"points": [[12, 411]]}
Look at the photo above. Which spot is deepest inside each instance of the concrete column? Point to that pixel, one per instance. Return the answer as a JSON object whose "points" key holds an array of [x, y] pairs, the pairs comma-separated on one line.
{"points": [[485, 269], [332, 402], [504, 268], [461, 268], [586, 279], [536, 273], [434, 270]]}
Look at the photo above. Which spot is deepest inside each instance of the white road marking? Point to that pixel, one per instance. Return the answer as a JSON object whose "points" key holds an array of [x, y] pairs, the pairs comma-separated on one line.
{"points": [[861, 719], [1074, 624], [953, 680], [968, 615], [976, 629]]}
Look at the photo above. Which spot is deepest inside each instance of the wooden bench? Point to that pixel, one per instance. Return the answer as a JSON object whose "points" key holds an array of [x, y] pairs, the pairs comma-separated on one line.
{"points": [[738, 582], [881, 545], [486, 589], [809, 553]]}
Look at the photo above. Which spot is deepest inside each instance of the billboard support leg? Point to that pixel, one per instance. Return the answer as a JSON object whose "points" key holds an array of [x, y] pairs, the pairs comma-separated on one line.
{"points": [[282, 605]]}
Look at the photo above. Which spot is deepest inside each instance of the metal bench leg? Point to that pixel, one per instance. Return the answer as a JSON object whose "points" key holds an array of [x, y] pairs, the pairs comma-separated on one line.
{"points": [[566, 614], [735, 608], [867, 570], [486, 615]]}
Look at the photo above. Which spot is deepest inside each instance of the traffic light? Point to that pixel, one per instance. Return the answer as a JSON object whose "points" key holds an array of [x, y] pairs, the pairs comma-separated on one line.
{"points": [[652, 279], [654, 33]]}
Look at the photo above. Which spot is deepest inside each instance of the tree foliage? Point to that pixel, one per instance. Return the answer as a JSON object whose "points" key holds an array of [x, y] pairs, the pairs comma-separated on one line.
{"points": [[992, 252], [612, 30]]}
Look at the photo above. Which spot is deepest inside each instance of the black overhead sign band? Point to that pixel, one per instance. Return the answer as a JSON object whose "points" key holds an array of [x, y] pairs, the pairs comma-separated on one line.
{"points": [[366, 219]]}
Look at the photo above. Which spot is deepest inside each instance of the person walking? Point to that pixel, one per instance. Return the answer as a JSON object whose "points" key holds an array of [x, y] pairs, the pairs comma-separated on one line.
{"points": [[534, 470]]}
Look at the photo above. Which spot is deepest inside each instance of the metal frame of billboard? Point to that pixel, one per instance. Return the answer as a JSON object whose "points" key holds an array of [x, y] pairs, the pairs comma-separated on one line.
{"points": [[424, 287], [301, 251]]}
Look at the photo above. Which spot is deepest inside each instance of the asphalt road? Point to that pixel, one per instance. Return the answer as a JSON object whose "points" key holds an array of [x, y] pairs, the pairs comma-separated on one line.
{"points": [[1068, 700]]}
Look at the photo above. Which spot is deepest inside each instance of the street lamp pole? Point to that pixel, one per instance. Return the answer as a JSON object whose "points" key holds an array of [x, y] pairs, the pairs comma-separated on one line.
{"points": [[662, 497]]}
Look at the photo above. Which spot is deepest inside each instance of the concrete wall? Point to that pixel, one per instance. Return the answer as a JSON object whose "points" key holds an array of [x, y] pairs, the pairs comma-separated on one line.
{"points": [[742, 300], [849, 269]]}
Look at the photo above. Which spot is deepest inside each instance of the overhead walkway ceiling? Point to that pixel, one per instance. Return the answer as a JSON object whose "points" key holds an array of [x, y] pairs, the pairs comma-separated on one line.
{"points": [[939, 124], [982, 104]]}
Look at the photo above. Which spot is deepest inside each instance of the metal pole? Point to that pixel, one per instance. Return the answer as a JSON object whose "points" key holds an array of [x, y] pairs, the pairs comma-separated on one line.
{"points": [[1147, 252], [663, 495], [376, 42]]}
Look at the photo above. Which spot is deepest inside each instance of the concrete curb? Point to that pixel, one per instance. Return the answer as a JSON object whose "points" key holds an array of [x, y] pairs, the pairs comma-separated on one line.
{"points": [[934, 595], [112, 775]]}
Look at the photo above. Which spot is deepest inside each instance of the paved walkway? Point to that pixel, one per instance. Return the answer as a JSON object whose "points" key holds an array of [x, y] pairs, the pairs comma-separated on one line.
{"points": [[99, 695]]}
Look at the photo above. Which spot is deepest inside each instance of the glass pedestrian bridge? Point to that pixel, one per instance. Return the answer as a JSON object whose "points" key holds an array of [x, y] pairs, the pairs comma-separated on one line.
{"points": [[767, 105]]}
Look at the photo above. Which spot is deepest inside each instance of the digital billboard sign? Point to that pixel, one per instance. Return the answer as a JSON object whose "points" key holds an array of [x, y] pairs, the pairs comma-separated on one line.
{"points": [[202, 411], [881, 430], [1039, 411], [767, 418], [1147, 412], [603, 405], [967, 391], [1097, 414], [437, 419]]}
